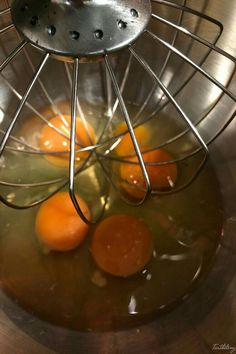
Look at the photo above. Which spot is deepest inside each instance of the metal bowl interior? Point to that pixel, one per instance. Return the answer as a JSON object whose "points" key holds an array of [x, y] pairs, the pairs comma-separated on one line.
{"points": [[207, 318]]}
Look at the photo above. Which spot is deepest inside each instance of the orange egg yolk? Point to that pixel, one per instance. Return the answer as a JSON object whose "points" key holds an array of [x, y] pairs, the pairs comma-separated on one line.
{"points": [[126, 147], [58, 225], [161, 177], [51, 140], [122, 245]]}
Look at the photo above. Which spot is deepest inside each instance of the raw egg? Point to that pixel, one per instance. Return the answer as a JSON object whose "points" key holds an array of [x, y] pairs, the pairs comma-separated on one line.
{"points": [[51, 140], [161, 177], [58, 225], [125, 147], [122, 245]]}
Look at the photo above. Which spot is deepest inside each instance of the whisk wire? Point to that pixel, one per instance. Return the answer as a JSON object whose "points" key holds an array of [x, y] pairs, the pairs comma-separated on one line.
{"points": [[7, 28], [72, 171], [162, 106], [171, 98], [113, 88], [191, 11], [131, 130], [72, 141], [22, 103], [12, 55], [193, 64], [45, 92], [162, 71], [36, 112], [5, 11], [123, 83], [195, 37]]}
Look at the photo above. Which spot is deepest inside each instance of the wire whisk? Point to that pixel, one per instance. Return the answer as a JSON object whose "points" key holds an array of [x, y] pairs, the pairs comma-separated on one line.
{"points": [[154, 66]]}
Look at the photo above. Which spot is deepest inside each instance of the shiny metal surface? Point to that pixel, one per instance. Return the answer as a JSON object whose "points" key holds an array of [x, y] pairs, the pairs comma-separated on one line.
{"points": [[208, 317], [81, 28]]}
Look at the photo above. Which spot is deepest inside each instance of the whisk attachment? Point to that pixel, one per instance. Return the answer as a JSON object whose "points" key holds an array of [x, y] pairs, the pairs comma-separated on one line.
{"points": [[120, 37], [81, 28]]}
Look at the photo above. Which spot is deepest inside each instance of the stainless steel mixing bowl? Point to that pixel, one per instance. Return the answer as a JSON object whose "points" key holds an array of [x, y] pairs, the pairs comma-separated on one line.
{"points": [[206, 321]]}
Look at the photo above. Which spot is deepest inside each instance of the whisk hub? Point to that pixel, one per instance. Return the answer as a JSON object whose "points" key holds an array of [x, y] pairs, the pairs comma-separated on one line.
{"points": [[73, 28]]}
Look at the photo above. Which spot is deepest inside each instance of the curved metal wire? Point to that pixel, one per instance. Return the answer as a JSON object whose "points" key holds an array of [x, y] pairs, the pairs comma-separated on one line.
{"points": [[72, 144], [41, 116], [7, 28], [111, 81], [189, 33], [208, 19], [12, 55], [22, 103], [131, 130], [64, 183], [47, 95], [162, 71], [5, 11], [171, 98], [200, 16], [195, 66]]}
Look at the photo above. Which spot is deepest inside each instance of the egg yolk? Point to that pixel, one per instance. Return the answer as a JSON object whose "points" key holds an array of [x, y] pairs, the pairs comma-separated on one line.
{"points": [[126, 147], [51, 140], [161, 177], [122, 245], [58, 225]]}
